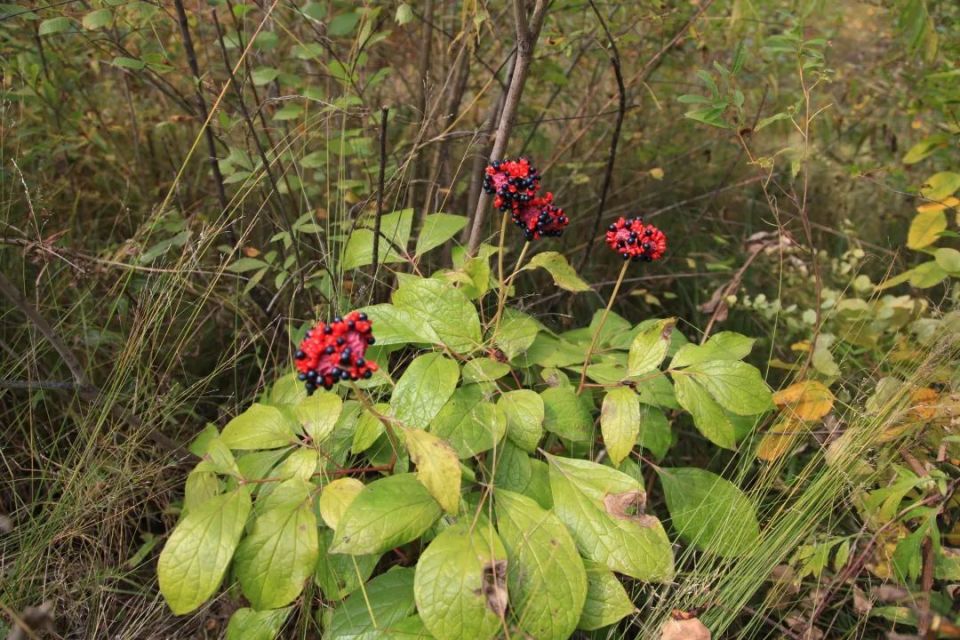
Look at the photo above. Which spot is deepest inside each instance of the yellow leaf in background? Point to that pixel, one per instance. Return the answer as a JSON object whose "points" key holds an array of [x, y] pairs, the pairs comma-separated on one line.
{"points": [[939, 206], [779, 439], [926, 228], [807, 400], [801, 346], [251, 252], [656, 173], [923, 403]]}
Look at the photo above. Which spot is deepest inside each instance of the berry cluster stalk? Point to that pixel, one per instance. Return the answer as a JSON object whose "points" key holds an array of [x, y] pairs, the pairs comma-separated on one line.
{"points": [[603, 319]]}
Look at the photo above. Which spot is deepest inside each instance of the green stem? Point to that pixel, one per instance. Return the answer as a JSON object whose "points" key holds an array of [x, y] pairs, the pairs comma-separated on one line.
{"points": [[505, 286], [603, 319]]}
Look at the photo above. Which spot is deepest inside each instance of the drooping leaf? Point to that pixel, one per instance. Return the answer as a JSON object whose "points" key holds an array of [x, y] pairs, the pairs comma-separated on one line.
{"points": [[649, 347], [708, 416], [259, 427], [274, 561], [603, 509], [437, 467], [524, 410], [198, 551], [620, 422], [423, 389], [607, 601], [460, 583], [546, 579], [559, 269], [247, 624], [387, 513], [469, 422], [443, 307], [709, 512], [655, 433]]}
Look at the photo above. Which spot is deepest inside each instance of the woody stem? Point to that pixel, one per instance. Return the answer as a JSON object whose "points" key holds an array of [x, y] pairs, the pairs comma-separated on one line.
{"points": [[603, 319]]}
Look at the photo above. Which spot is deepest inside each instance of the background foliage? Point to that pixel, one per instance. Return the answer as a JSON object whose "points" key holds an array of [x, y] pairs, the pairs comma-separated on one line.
{"points": [[801, 156]]}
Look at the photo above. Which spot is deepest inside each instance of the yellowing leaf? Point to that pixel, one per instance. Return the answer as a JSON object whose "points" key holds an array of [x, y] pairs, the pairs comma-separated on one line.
{"points": [[336, 497], [940, 185], [926, 228], [923, 403], [438, 467], [807, 400], [656, 173], [779, 439], [947, 203]]}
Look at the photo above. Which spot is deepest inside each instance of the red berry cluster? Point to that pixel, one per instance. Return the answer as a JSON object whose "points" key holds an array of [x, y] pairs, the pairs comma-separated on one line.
{"points": [[631, 238], [331, 352], [540, 217], [515, 185]]}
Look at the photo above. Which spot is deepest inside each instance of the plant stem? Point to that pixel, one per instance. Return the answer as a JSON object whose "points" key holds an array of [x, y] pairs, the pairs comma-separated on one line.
{"points": [[603, 320], [505, 285]]}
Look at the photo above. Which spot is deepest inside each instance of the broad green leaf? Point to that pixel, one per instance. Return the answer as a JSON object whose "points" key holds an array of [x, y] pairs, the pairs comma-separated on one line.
{"points": [[369, 428], [199, 487], [948, 260], [737, 386], [264, 75], [437, 229], [925, 229], [607, 601], [343, 24], [655, 433], [656, 390], [620, 422], [128, 63], [404, 14], [54, 25], [516, 333], [516, 471], [423, 389], [242, 265], [649, 347], [725, 345], [318, 415], [460, 584], [198, 551], [259, 427], [559, 269], [339, 575], [939, 186], [709, 512], [925, 147], [548, 351], [388, 513], [603, 509], [484, 370], [247, 624], [301, 463], [394, 325], [469, 422], [566, 415], [437, 467], [926, 275], [708, 416], [712, 116], [525, 413], [274, 561], [96, 19], [394, 235], [336, 497], [287, 390], [545, 575], [384, 601], [443, 307]]}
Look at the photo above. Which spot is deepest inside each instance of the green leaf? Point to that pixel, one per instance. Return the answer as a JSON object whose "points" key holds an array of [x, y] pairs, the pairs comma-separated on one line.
{"points": [[545, 577], [442, 307], [54, 25], [709, 512], [603, 509], [394, 325], [620, 422], [423, 389], [437, 467], [302, 464], [948, 260], [243, 265], [924, 148], [607, 601], [737, 386], [388, 513], [96, 19], [129, 63], [925, 229], [649, 347], [394, 232], [336, 497], [655, 433], [247, 624], [343, 24], [198, 551], [557, 266], [339, 575], [259, 427], [939, 186], [725, 345], [516, 333], [524, 410], [287, 390], [437, 229], [404, 14], [385, 600], [369, 428], [926, 275], [708, 416], [484, 370], [460, 583], [712, 116], [566, 415], [274, 561], [318, 414], [656, 390], [469, 422], [516, 471]]}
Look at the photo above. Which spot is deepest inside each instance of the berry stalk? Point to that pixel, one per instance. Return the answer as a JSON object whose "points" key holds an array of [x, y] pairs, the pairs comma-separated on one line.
{"points": [[603, 319]]}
